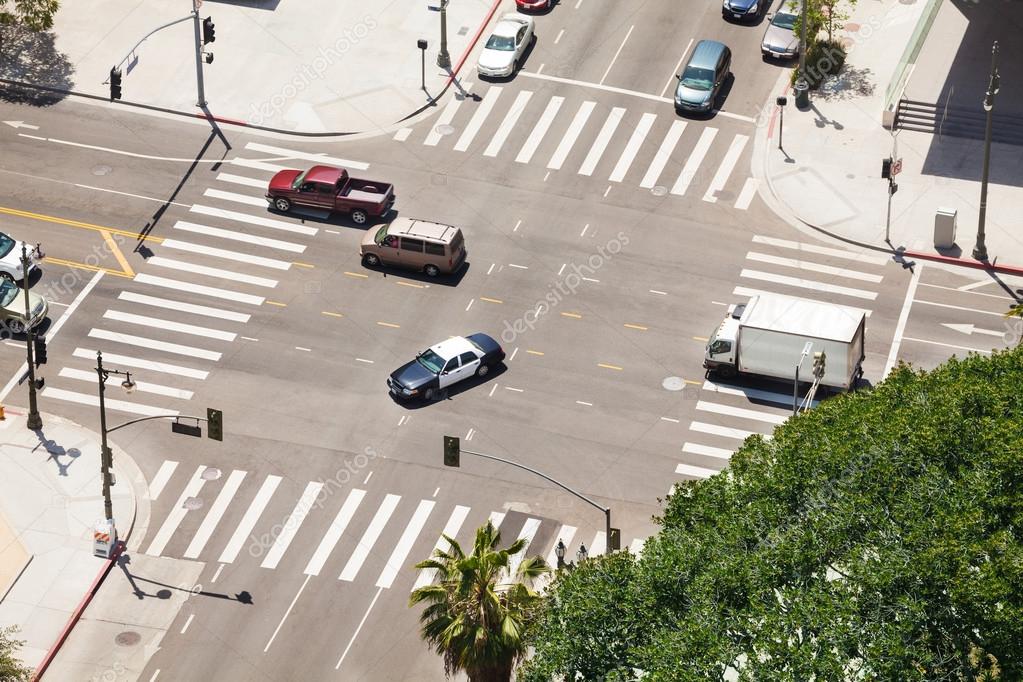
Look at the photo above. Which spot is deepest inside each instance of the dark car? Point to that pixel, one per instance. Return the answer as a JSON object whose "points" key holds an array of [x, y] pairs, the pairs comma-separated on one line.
{"points": [[701, 80], [743, 10], [444, 364]]}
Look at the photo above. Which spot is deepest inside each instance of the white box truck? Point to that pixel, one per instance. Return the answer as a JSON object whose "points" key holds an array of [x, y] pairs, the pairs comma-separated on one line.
{"points": [[766, 337]]}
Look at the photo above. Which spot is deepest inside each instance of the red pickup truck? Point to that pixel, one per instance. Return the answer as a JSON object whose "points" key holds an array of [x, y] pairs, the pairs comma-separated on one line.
{"points": [[332, 189]]}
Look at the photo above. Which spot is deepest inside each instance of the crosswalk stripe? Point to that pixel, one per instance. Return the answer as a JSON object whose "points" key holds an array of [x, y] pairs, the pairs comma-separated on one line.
{"points": [[749, 190], [600, 144], [527, 533], [402, 134], [257, 165], [685, 178], [807, 284], [253, 220], [214, 292], [723, 431], [637, 546], [482, 111], [496, 518], [334, 533], [154, 344], [219, 273], [599, 544], [180, 306], [663, 154], [168, 325], [510, 119], [177, 513], [128, 361], [241, 180], [814, 267], [369, 538], [748, 292], [741, 412], [751, 393], [291, 526], [632, 147], [306, 156], [707, 451], [571, 135], [143, 386], [189, 247], [238, 236], [215, 514], [396, 562], [694, 471], [444, 119], [119, 405], [451, 528], [163, 475], [246, 199], [564, 534], [248, 522], [525, 154], [859, 257], [725, 169]]}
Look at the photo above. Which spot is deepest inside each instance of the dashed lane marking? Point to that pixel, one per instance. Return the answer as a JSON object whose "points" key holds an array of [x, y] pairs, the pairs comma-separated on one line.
{"points": [[389, 324], [356, 274], [330, 314], [574, 315], [491, 300], [606, 366], [636, 326]]}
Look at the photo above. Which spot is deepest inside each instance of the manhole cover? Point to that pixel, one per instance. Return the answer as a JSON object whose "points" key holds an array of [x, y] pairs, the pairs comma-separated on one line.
{"points": [[444, 129], [211, 473], [850, 176], [462, 31], [193, 503], [128, 638], [674, 383], [659, 190], [101, 170]]}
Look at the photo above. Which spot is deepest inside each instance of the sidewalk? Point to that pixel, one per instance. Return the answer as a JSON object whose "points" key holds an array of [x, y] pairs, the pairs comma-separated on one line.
{"points": [[829, 174], [315, 66], [51, 500]]}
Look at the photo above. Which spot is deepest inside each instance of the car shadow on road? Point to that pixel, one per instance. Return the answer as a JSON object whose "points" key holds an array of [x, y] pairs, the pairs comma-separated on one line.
{"points": [[453, 392], [451, 280]]}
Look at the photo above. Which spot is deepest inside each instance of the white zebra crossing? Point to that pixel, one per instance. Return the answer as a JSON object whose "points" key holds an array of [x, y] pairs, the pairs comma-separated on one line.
{"points": [[177, 513], [226, 254], [217, 273], [451, 528], [181, 306], [508, 124], [660, 159], [369, 538], [154, 344], [571, 135], [213, 292], [291, 525], [484, 109], [725, 169], [220, 233], [639, 134], [396, 562], [91, 399], [695, 160], [141, 386], [215, 514], [248, 522], [169, 325], [138, 363], [539, 130], [600, 143], [335, 531]]}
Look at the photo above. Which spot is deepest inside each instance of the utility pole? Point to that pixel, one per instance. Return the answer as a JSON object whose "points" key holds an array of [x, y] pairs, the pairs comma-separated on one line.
{"points": [[34, 421], [802, 87], [443, 58], [980, 250], [201, 101]]}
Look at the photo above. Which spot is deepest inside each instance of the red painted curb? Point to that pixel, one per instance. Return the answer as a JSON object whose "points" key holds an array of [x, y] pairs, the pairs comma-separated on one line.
{"points": [[220, 119], [472, 43], [965, 262], [52, 653]]}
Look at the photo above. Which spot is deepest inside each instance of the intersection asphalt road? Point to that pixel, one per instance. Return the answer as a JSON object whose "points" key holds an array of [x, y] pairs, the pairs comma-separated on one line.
{"points": [[325, 491]]}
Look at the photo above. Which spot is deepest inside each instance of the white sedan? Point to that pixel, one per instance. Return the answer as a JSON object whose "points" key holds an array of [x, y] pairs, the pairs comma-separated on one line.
{"points": [[500, 56], [10, 258]]}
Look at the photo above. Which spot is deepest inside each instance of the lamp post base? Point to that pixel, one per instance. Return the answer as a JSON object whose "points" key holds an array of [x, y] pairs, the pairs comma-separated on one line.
{"points": [[980, 252], [444, 60], [34, 421]]}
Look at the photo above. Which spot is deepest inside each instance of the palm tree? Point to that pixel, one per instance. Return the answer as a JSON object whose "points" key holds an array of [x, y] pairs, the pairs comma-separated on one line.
{"points": [[477, 613]]}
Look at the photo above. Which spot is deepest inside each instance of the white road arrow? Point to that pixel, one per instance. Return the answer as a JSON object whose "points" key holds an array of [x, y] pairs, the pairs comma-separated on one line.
{"points": [[969, 329], [21, 124]]}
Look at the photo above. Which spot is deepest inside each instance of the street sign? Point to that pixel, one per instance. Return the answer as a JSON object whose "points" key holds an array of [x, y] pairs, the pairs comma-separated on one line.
{"points": [[897, 167]]}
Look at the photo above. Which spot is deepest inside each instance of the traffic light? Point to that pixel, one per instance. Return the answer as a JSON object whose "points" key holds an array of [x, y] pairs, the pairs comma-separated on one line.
{"points": [[208, 32], [886, 168], [818, 364], [115, 84], [614, 542], [39, 350], [214, 424], [452, 451]]}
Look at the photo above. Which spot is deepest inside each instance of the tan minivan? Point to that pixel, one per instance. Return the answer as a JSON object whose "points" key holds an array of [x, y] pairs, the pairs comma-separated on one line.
{"points": [[414, 244]]}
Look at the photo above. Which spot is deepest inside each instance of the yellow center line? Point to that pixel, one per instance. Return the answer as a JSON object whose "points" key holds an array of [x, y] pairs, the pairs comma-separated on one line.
{"points": [[117, 253], [410, 284], [601, 364], [694, 383], [534, 352], [83, 266], [327, 312], [280, 305], [356, 274], [636, 326], [575, 315], [302, 265], [701, 339], [388, 324], [490, 300], [76, 223]]}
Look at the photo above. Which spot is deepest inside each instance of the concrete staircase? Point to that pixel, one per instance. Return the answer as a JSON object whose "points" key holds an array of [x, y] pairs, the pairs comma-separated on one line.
{"points": [[957, 121]]}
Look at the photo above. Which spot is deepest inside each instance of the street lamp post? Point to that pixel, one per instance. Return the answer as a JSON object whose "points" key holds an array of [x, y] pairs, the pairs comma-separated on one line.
{"points": [[443, 58], [106, 456], [802, 87], [795, 384], [980, 250], [35, 421]]}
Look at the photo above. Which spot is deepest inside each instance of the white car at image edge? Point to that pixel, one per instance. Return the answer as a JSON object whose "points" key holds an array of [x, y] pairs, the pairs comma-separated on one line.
{"points": [[10, 258], [503, 50]]}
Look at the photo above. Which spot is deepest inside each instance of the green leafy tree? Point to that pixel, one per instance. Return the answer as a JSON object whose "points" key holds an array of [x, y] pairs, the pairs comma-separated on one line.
{"points": [[34, 15], [10, 667], [876, 537], [476, 615]]}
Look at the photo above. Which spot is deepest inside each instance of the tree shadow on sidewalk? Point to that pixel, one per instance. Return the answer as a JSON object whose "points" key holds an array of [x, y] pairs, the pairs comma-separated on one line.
{"points": [[33, 58]]}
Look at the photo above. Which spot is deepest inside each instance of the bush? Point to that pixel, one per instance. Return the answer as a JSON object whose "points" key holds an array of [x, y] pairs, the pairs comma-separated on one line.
{"points": [[824, 58]]}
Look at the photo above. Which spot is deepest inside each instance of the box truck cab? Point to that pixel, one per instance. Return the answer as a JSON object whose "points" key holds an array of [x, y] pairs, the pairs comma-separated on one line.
{"points": [[766, 337]]}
